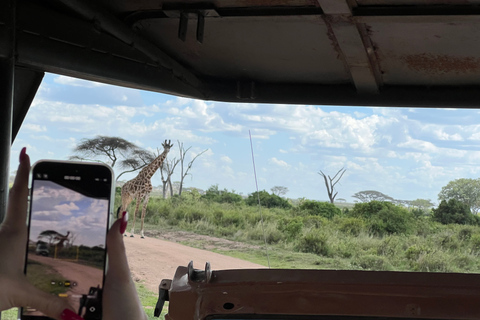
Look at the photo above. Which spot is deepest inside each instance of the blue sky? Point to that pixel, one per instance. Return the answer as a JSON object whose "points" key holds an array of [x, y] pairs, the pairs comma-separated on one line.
{"points": [[62, 210], [405, 153]]}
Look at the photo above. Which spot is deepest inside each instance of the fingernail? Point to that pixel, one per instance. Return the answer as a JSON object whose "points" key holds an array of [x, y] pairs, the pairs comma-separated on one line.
{"points": [[123, 225], [23, 153], [68, 314]]}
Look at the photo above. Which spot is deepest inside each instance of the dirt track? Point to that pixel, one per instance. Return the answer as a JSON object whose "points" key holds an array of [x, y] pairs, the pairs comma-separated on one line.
{"points": [[152, 260]]}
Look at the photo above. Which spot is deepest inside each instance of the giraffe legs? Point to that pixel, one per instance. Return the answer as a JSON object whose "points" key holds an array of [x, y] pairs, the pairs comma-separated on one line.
{"points": [[134, 216], [144, 210]]}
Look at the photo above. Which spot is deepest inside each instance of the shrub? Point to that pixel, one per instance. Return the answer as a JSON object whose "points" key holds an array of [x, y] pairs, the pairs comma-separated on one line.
{"points": [[453, 211], [369, 209], [372, 262], [414, 252], [221, 196], [314, 242], [314, 221], [318, 208], [267, 200], [391, 220], [352, 226], [290, 227], [475, 242]]}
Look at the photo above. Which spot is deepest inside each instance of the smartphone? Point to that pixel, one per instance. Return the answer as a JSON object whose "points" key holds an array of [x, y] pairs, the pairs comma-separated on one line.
{"points": [[69, 216]]}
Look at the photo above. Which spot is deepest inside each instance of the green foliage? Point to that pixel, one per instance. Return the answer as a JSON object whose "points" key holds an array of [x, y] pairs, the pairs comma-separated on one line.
{"points": [[373, 262], [371, 236], [267, 200], [291, 228], [350, 225], [453, 211], [392, 220], [318, 208], [315, 242], [368, 209], [221, 196], [466, 191]]}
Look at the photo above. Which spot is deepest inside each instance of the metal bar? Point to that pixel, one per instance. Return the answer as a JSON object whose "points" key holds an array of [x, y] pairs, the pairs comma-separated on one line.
{"points": [[112, 25], [26, 85], [7, 73]]}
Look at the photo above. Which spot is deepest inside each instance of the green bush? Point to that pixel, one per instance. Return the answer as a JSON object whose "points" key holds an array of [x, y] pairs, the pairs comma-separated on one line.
{"points": [[369, 209], [319, 208], [351, 226], [315, 242], [393, 220], [373, 262], [453, 211], [290, 227], [267, 200], [314, 222], [221, 196]]}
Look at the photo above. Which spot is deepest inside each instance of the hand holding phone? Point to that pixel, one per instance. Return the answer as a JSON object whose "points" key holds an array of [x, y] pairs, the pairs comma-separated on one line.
{"points": [[68, 223], [120, 299], [15, 290]]}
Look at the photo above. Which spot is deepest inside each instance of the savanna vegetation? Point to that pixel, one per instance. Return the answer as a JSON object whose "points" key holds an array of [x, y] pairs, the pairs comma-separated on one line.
{"points": [[374, 235]]}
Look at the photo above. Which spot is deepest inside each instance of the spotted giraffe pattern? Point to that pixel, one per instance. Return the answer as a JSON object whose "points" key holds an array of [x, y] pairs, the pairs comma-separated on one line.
{"points": [[139, 188]]}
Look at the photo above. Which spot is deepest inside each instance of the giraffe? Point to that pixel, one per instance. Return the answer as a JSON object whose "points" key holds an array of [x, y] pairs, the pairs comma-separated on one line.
{"points": [[139, 188]]}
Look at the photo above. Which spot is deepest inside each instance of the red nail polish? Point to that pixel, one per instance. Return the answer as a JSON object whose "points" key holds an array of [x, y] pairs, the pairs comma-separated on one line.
{"points": [[68, 314], [123, 225], [23, 153]]}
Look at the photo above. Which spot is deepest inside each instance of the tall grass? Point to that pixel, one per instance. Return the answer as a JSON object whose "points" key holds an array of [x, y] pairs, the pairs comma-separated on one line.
{"points": [[393, 239]]}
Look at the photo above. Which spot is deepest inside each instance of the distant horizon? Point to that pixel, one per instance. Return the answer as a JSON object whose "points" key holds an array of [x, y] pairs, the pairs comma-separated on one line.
{"points": [[405, 153]]}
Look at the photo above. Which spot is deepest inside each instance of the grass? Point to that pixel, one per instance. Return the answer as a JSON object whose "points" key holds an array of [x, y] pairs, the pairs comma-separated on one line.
{"points": [[147, 298]]}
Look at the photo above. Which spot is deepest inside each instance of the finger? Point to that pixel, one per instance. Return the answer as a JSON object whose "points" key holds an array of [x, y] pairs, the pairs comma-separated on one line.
{"points": [[50, 305], [117, 259], [119, 286], [18, 197]]}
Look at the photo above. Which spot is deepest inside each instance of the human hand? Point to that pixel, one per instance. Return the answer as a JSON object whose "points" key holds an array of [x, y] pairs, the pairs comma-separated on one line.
{"points": [[120, 299], [15, 290]]}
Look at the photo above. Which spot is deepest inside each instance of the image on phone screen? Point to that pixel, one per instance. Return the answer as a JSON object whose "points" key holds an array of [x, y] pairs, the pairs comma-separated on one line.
{"points": [[67, 236]]}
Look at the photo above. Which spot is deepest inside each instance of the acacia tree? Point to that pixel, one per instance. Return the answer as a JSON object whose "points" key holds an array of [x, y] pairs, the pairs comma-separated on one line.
{"points": [[371, 195], [185, 171], [331, 182], [279, 190], [113, 149], [466, 191]]}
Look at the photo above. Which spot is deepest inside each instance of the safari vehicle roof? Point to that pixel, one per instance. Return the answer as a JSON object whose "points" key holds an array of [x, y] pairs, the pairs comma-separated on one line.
{"points": [[407, 53], [415, 53]]}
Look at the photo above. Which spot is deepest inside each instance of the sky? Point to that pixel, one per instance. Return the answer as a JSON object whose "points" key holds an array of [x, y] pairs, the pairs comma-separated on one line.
{"points": [[405, 153], [62, 210]]}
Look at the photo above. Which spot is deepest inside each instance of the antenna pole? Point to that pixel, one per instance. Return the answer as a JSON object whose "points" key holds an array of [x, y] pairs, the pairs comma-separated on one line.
{"points": [[258, 199]]}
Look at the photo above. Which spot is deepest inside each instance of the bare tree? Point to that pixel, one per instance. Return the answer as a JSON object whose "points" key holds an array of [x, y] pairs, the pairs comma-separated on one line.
{"points": [[331, 182], [184, 171], [166, 170], [279, 190]]}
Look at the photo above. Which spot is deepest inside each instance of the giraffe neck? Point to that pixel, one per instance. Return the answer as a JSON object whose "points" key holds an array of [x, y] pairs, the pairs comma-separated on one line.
{"points": [[150, 170]]}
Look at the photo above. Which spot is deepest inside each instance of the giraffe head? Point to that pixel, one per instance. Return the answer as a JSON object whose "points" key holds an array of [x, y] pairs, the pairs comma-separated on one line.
{"points": [[167, 145]]}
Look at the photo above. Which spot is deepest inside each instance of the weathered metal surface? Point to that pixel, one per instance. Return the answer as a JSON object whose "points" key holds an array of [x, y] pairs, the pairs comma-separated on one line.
{"points": [[277, 293]]}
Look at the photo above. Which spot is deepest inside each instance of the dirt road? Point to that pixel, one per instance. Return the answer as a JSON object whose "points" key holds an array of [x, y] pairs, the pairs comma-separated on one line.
{"points": [[152, 259]]}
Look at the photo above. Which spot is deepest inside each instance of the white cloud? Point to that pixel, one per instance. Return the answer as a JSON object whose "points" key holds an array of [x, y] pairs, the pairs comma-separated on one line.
{"points": [[226, 159], [68, 81], [277, 162]]}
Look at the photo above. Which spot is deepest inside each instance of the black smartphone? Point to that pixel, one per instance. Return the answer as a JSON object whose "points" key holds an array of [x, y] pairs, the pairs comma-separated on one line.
{"points": [[69, 216]]}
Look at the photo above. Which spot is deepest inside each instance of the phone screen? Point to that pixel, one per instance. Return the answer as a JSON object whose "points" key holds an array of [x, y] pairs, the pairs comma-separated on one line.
{"points": [[68, 223]]}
